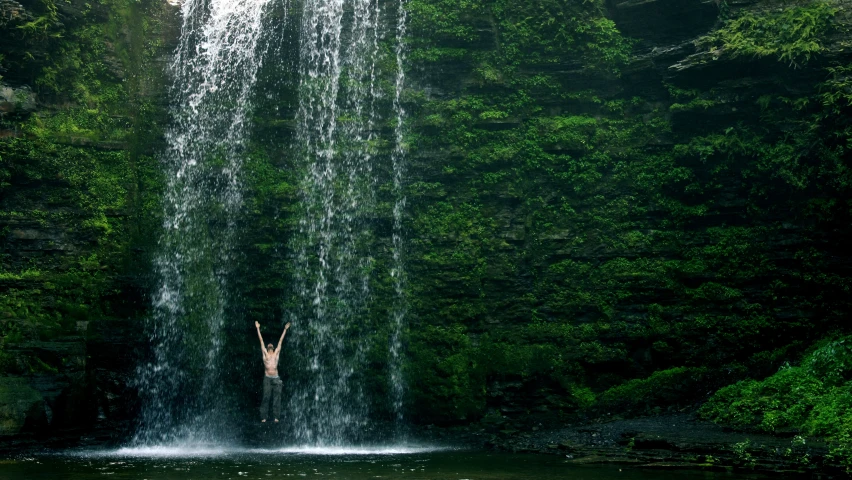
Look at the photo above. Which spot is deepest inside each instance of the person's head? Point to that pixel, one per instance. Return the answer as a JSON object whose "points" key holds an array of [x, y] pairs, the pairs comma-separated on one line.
{"points": [[270, 348]]}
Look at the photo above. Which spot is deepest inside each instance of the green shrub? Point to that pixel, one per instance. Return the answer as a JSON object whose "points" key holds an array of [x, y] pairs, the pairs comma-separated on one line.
{"points": [[814, 398], [782, 401], [792, 35], [662, 389], [832, 363]]}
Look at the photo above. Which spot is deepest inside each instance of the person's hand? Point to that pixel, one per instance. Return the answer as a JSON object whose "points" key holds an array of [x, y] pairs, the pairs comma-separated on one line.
{"points": [[287, 326], [257, 324]]}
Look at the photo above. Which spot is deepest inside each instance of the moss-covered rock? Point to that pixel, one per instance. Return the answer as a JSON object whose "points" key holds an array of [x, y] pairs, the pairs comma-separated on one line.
{"points": [[663, 214], [81, 108], [20, 406]]}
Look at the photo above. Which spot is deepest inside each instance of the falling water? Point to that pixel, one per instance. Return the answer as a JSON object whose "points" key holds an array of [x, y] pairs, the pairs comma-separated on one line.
{"points": [[214, 71], [398, 311], [345, 156], [340, 144]]}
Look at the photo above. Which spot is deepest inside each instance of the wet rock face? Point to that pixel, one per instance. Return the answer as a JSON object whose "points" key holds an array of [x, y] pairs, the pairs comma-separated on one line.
{"points": [[659, 23], [13, 12], [540, 275], [17, 101], [56, 397], [21, 407], [544, 235], [73, 219]]}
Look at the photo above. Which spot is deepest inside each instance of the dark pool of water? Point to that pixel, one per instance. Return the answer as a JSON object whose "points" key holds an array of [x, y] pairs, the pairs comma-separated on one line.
{"points": [[263, 464]]}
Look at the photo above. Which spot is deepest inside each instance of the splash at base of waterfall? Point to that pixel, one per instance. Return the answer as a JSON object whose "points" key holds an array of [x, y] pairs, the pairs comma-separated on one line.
{"points": [[197, 451], [214, 70]]}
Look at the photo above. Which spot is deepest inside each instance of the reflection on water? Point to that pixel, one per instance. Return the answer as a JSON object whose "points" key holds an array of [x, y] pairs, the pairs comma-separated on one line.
{"points": [[298, 463]]}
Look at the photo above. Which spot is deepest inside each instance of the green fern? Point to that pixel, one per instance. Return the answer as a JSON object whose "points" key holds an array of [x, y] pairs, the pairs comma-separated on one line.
{"points": [[792, 35]]}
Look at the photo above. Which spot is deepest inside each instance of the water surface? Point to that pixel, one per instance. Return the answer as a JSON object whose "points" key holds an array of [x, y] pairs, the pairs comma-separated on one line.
{"points": [[328, 464]]}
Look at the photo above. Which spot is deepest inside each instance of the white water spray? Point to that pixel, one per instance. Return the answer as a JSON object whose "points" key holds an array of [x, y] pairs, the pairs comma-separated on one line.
{"points": [[344, 158], [214, 72], [399, 309], [339, 135]]}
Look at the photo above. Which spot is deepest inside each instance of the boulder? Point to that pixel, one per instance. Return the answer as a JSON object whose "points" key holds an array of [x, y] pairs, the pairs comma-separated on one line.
{"points": [[21, 406], [12, 12], [17, 100]]}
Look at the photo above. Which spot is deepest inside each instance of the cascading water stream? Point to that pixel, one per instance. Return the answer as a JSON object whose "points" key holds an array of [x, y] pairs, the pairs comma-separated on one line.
{"points": [[345, 156], [398, 311], [214, 72], [337, 258]]}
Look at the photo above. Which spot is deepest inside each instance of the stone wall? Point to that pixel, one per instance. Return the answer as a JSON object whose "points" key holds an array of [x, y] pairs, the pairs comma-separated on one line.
{"points": [[82, 100], [618, 207]]}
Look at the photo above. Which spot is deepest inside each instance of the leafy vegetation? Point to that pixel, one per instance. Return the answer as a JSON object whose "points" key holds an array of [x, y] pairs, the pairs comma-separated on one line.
{"points": [[792, 35], [646, 395], [812, 398], [662, 252], [521, 34], [79, 188]]}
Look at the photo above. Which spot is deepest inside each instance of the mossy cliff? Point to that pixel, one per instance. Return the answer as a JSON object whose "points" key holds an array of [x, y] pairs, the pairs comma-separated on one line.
{"points": [[619, 207], [615, 208], [82, 102]]}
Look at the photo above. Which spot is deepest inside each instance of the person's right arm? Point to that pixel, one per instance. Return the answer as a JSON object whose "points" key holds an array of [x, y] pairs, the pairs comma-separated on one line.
{"points": [[262, 346], [278, 348]]}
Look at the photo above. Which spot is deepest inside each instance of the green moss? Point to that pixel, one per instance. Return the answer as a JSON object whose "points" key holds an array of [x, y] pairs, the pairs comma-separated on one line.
{"points": [[537, 33], [649, 243], [594, 243], [792, 35], [449, 386], [695, 104], [78, 175], [43, 26], [663, 389]]}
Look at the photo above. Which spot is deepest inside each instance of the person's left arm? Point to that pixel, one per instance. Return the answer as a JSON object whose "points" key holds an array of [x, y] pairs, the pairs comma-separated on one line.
{"points": [[262, 347], [278, 348]]}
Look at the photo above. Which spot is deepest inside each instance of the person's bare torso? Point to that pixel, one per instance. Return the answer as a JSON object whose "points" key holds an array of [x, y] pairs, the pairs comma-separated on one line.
{"points": [[270, 364]]}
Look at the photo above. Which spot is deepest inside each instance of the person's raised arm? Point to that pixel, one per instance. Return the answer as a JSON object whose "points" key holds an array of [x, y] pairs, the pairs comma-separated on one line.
{"points": [[278, 348], [262, 346]]}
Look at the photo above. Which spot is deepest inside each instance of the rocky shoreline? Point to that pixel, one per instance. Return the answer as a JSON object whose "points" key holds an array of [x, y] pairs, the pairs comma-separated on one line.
{"points": [[669, 442]]}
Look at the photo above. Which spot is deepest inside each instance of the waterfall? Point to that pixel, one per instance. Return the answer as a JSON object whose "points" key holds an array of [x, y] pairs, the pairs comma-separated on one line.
{"points": [[214, 71], [349, 154], [339, 143]]}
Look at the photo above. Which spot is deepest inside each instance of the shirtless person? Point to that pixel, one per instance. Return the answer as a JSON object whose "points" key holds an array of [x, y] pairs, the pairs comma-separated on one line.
{"points": [[271, 382]]}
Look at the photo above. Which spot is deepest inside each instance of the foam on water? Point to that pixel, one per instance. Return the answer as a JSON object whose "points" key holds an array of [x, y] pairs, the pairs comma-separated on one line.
{"points": [[165, 451], [389, 450], [207, 451]]}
